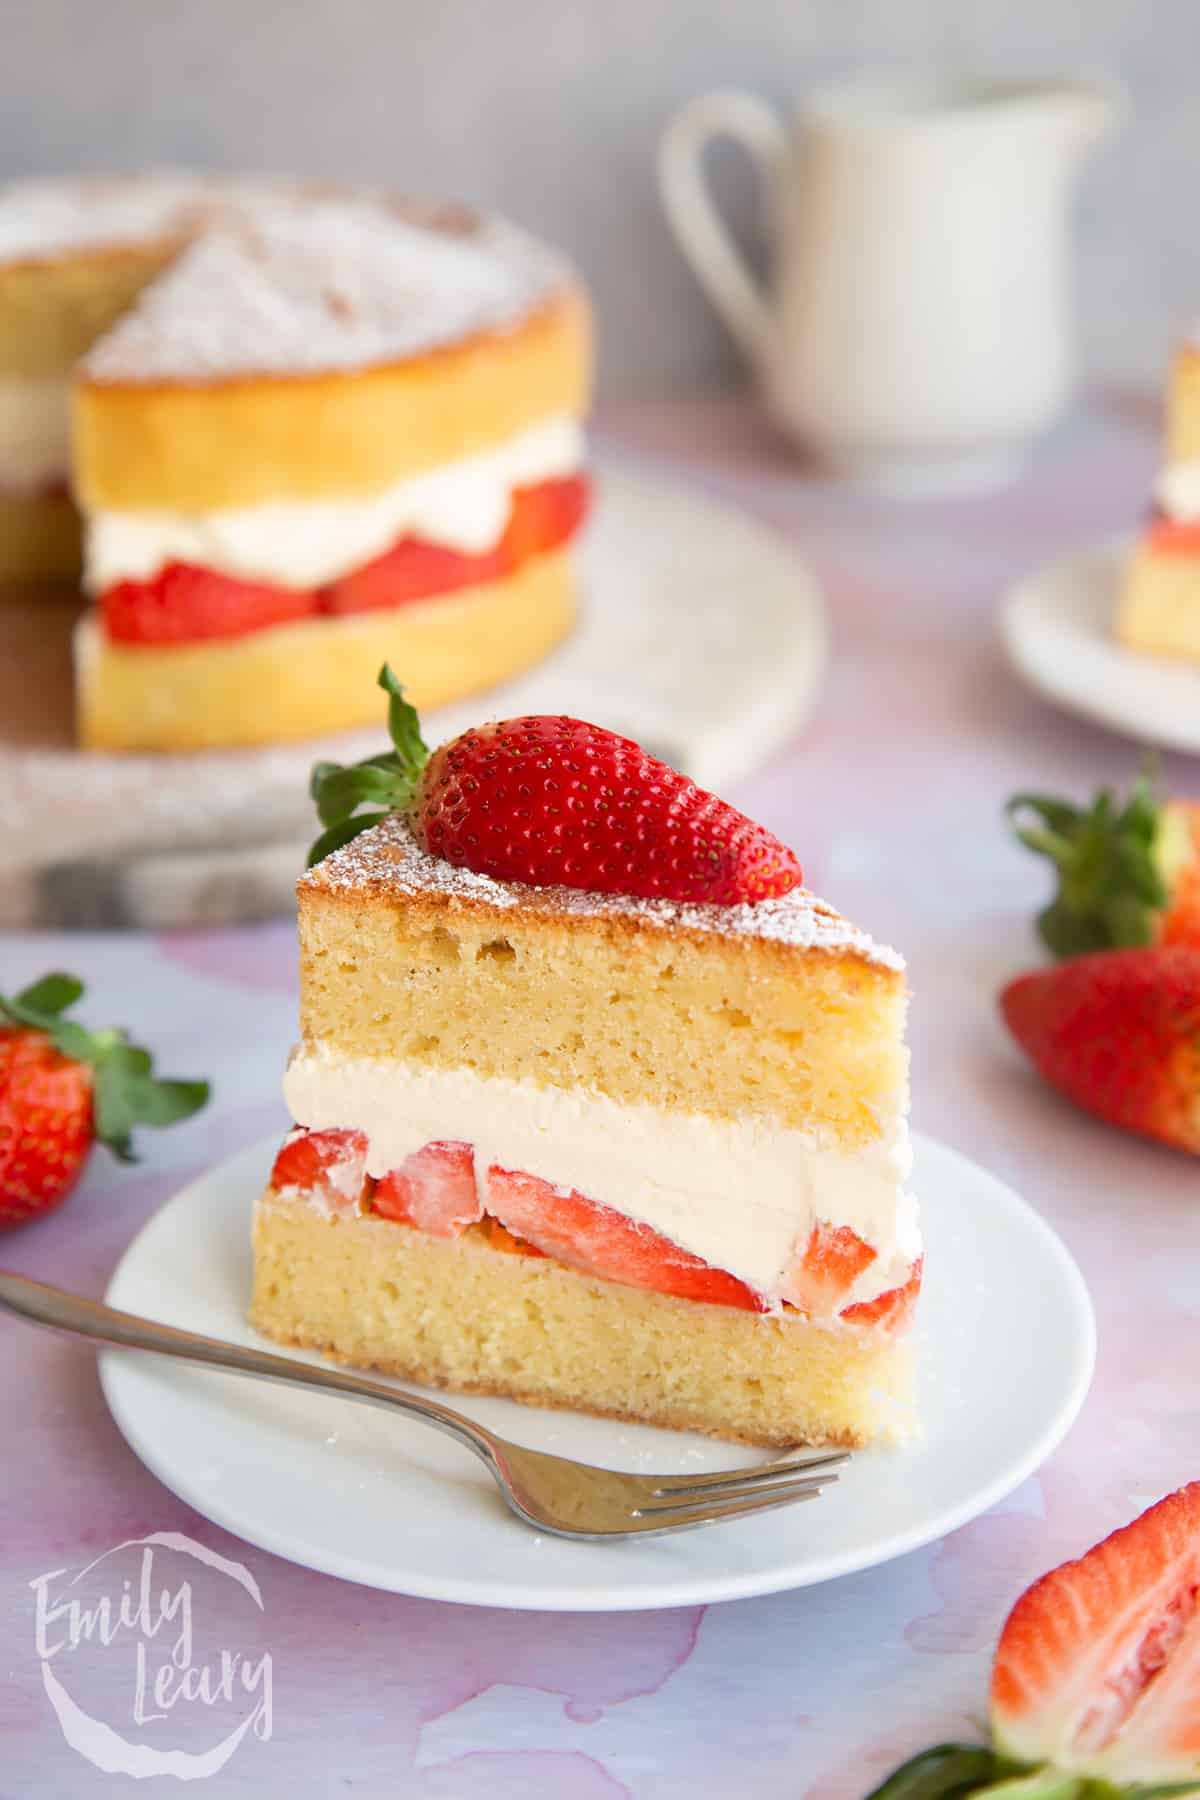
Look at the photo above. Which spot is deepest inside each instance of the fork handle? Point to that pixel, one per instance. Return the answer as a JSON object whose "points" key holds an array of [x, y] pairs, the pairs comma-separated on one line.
{"points": [[42, 1304]]}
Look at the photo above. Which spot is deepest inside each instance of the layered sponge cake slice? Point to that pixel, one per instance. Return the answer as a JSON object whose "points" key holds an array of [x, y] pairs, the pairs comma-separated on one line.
{"points": [[1159, 608], [639, 1155]]}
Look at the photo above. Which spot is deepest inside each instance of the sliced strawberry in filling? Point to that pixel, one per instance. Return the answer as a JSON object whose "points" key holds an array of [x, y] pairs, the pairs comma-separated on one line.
{"points": [[186, 605], [330, 1164], [434, 1190], [545, 516], [1098, 1666], [834, 1257], [1173, 537], [598, 1240], [890, 1311]]}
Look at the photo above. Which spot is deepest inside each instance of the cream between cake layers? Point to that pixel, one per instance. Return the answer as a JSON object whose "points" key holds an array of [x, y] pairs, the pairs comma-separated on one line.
{"points": [[309, 429], [633, 1155], [1159, 610]]}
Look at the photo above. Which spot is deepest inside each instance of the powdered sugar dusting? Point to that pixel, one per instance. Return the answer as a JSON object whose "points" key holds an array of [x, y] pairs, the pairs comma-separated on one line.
{"points": [[387, 857], [302, 283], [42, 219]]}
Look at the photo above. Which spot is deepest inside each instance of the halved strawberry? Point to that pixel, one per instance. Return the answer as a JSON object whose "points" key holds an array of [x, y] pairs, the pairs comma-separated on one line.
{"points": [[599, 1241], [1098, 1666], [434, 1189], [892, 1310], [329, 1164], [834, 1257], [185, 605]]}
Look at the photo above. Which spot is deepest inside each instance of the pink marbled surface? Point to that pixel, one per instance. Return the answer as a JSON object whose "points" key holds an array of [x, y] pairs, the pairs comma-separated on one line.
{"points": [[892, 794]]}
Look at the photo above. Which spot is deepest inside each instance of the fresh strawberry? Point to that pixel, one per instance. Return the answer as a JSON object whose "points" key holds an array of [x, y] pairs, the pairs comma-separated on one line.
{"points": [[185, 605], [600, 1241], [1096, 1679], [62, 1087], [891, 1311], [434, 1190], [1098, 1666], [834, 1257], [1119, 1033], [329, 1164], [1128, 872], [549, 800]]}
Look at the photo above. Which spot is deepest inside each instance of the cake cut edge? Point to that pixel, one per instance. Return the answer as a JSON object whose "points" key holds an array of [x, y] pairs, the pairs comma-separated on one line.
{"points": [[467, 1316]]}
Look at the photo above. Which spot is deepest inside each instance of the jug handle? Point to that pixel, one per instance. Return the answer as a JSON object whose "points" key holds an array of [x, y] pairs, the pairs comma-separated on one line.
{"points": [[699, 230]]}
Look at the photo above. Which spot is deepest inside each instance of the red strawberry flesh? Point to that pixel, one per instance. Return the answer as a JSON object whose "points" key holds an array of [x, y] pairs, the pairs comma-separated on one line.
{"points": [[1119, 1032], [331, 1164], [834, 1257], [550, 800], [45, 1125], [598, 1240], [435, 1190], [1098, 1666]]}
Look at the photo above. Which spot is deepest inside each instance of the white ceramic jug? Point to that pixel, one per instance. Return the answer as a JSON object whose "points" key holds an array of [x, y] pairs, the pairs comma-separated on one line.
{"points": [[917, 329]]}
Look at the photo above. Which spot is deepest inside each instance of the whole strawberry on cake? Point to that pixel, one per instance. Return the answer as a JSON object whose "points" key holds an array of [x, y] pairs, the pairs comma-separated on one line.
{"points": [[596, 1106]]}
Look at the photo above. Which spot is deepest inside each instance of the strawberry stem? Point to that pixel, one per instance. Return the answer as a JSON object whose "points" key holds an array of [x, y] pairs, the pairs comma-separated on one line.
{"points": [[125, 1090], [1111, 889], [385, 783]]}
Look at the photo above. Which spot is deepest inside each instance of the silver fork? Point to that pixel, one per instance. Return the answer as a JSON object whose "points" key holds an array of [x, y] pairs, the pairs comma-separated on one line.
{"points": [[551, 1493]]}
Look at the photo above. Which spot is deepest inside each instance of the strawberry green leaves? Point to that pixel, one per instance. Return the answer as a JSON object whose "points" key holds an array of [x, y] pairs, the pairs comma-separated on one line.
{"points": [[956, 1771], [125, 1090], [382, 784], [1107, 856]]}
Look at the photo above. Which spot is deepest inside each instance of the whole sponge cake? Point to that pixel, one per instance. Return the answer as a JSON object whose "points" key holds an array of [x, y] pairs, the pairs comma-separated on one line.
{"points": [[312, 428], [634, 1155]]}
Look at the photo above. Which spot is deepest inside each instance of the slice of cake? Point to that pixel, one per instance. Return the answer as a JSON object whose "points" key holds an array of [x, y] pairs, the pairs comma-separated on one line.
{"points": [[633, 1143], [73, 255], [1159, 609]]}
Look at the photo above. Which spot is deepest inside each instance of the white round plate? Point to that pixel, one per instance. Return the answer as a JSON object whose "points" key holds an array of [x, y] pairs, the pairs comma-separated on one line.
{"points": [[1007, 1342], [1058, 632]]}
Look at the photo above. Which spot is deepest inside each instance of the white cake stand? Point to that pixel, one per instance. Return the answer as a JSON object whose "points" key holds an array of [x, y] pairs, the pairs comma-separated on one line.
{"points": [[704, 637]]}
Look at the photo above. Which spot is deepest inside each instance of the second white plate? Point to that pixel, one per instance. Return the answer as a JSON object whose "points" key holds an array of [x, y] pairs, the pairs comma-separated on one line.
{"points": [[1007, 1344], [1058, 632]]}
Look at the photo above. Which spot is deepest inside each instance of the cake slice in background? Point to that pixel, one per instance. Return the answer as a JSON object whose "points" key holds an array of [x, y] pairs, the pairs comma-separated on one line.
{"points": [[73, 256], [1159, 609], [622, 1151]]}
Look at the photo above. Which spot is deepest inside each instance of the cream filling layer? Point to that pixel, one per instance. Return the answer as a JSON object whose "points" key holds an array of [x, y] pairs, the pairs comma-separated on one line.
{"points": [[35, 432], [1177, 491], [462, 505], [743, 1194]]}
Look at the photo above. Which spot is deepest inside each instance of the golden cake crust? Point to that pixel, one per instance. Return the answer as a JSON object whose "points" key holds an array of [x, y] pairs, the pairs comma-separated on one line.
{"points": [[245, 440]]}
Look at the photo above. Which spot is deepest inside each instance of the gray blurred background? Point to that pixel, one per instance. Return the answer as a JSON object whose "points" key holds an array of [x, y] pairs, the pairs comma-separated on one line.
{"points": [[550, 109]]}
